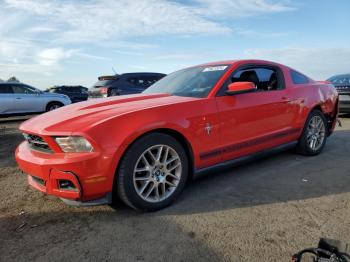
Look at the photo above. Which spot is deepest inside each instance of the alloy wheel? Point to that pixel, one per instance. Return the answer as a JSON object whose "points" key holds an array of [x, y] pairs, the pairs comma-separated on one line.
{"points": [[157, 173], [316, 133]]}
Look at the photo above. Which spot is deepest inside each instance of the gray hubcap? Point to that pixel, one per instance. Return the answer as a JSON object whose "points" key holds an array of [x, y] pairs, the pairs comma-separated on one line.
{"points": [[316, 132], [53, 107], [157, 173]]}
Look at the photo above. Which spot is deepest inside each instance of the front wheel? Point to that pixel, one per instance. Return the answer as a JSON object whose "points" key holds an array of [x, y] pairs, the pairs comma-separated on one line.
{"points": [[314, 136], [152, 173], [52, 106]]}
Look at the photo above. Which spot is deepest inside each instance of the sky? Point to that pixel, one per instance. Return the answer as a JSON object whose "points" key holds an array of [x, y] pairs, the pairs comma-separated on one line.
{"points": [[66, 42]]}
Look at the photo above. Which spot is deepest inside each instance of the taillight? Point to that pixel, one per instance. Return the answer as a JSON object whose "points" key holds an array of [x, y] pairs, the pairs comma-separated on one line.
{"points": [[103, 90]]}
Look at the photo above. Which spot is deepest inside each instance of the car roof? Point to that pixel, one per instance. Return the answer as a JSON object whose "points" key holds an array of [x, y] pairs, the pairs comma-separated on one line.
{"points": [[65, 86], [140, 73], [240, 61], [11, 82]]}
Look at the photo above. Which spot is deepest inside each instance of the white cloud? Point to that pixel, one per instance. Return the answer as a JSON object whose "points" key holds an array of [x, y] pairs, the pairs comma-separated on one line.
{"points": [[12, 49], [243, 8], [319, 63], [260, 34], [42, 29], [38, 36], [52, 56], [96, 20]]}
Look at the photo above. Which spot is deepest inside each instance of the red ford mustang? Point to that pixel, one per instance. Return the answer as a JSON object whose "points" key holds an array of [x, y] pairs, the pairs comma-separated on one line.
{"points": [[143, 148]]}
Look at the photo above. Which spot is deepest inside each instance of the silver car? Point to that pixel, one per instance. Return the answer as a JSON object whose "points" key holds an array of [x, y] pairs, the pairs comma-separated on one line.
{"points": [[18, 98]]}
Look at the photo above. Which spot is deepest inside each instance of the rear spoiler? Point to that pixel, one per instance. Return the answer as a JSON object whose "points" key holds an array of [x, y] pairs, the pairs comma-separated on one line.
{"points": [[101, 78]]}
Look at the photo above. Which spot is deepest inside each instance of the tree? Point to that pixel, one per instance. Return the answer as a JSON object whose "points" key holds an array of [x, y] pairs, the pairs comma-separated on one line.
{"points": [[13, 79]]}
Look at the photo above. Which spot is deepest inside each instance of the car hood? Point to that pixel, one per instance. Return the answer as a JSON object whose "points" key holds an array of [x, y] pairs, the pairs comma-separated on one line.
{"points": [[82, 116]]}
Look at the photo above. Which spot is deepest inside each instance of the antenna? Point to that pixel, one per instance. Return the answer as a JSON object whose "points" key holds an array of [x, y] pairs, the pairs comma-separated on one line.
{"points": [[114, 71]]}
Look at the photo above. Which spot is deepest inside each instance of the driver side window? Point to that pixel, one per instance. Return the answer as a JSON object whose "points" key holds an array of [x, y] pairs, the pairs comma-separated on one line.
{"points": [[264, 78]]}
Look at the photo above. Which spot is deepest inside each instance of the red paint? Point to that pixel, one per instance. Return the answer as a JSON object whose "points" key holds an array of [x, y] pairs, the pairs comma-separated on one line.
{"points": [[241, 87], [112, 124]]}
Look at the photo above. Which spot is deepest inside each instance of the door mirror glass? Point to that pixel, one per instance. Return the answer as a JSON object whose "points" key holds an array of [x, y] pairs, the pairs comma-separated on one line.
{"points": [[240, 87]]}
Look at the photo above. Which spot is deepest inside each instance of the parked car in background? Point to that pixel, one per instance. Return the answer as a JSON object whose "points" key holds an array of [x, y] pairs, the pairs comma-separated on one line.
{"points": [[199, 117], [124, 84], [18, 98], [75, 93], [342, 84]]}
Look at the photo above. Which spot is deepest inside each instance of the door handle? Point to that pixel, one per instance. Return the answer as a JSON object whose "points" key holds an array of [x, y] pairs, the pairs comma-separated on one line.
{"points": [[18, 98], [285, 99]]}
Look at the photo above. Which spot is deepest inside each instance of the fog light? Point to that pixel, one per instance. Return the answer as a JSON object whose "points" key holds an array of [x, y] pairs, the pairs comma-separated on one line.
{"points": [[66, 185]]}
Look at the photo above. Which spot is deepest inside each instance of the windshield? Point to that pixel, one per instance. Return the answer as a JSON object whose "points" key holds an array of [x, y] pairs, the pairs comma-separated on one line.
{"points": [[192, 82]]}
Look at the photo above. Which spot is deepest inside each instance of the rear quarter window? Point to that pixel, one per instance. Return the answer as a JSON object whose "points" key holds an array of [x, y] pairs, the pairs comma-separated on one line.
{"points": [[298, 78]]}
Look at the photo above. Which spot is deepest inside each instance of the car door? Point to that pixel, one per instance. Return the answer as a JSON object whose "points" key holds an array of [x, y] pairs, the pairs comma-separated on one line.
{"points": [[6, 99], [254, 121], [27, 99]]}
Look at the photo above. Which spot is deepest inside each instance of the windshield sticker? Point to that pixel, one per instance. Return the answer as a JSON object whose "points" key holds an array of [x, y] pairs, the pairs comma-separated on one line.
{"points": [[214, 68]]}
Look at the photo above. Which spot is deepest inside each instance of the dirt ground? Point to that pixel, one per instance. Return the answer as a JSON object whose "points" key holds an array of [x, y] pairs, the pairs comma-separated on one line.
{"points": [[261, 211]]}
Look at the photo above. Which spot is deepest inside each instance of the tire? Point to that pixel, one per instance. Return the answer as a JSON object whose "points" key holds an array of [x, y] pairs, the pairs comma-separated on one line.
{"points": [[53, 105], [114, 92], [140, 176], [310, 133]]}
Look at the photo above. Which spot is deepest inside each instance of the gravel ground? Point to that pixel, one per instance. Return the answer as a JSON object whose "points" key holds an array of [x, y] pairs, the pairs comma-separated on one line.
{"points": [[261, 211]]}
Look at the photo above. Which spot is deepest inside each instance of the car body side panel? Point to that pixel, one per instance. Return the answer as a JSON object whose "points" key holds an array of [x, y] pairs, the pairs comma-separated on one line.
{"points": [[254, 121], [313, 95], [6, 103], [30, 103], [189, 119]]}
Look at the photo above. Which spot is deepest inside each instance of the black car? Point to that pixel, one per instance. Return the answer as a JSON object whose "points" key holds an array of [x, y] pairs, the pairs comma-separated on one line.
{"points": [[75, 93], [124, 84], [342, 84]]}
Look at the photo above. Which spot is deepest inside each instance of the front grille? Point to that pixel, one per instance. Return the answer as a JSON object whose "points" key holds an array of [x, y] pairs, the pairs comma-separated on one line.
{"points": [[37, 143]]}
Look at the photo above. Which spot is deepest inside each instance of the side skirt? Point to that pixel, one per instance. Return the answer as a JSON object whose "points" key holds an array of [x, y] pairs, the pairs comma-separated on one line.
{"points": [[244, 159]]}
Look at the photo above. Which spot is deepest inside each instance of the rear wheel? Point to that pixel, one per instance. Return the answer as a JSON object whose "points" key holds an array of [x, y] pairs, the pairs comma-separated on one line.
{"points": [[152, 173], [53, 105], [314, 136]]}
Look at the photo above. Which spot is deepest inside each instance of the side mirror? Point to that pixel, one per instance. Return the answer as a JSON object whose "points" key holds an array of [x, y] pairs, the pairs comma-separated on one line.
{"points": [[240, 87]]}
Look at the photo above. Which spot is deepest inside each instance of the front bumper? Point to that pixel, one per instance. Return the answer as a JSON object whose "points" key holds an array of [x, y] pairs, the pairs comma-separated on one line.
{"points": [[89, 173]]}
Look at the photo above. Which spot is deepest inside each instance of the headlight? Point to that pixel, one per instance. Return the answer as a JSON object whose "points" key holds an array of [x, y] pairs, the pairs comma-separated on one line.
{"points": [[70, 144]]}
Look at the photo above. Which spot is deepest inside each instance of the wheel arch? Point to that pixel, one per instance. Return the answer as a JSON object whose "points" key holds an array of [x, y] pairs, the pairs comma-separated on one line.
{"points": [[330, 116], [173, 133], [52, 102]]}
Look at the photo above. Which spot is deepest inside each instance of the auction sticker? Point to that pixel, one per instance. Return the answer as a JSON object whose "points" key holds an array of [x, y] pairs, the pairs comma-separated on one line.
{"points": [[214, 68]]}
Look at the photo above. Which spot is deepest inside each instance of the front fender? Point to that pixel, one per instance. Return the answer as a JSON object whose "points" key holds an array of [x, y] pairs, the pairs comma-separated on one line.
{"points": [[116, 135]]}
